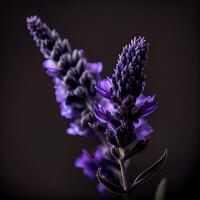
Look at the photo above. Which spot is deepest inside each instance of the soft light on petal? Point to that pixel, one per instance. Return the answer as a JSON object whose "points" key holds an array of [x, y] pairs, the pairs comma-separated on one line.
{"points": [[60, 90], [51, 67], [75, 129], [66, 111], [146, 104], [88, 165], [142, 99], [95, 68], [142, 129], [108, 106], [103, 88], [99, 113]]}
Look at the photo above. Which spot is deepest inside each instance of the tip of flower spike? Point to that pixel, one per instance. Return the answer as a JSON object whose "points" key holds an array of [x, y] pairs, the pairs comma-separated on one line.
{"points": [[139, 41], [31, 19]]}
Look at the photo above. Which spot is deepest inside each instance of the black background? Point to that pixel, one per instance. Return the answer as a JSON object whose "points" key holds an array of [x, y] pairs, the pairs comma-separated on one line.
{"points": [[36, 155]]}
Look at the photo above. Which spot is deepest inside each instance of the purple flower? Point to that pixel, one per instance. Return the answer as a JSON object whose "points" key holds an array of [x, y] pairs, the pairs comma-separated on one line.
{"points": [[142, 129], [128, 77], [103, 87], [95, 68], [88, 164], [101, 158], [124, 95], [100, 113], [74, 77]]}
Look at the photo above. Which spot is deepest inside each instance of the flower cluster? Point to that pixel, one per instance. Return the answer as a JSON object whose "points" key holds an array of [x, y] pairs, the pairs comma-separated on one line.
{"points": [[74, 77], [114, 108], [102, 159], [127, 106]]}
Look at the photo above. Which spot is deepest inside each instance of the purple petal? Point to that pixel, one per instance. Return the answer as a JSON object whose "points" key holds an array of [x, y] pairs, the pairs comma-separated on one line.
{"points": [[148, 109], [66, 111], [86, 162], [99, 113], [146, 104], [99, 152], [108, 105], [75, 129], [142, 99], [142, 129], [31, 19], [60, 90], [101, 188], [83, 159], [95, 68], [51, 67], [103, 88]]}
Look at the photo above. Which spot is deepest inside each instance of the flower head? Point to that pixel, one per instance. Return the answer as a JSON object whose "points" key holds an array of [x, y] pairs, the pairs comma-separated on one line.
{"points": [[124, 91], [101, 158], [74, 77]]}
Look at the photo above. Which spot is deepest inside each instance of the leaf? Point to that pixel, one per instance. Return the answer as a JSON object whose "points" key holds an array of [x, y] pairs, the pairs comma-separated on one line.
{"points": [[161, 190], [110, 186], [150, 171], [140, 146]]}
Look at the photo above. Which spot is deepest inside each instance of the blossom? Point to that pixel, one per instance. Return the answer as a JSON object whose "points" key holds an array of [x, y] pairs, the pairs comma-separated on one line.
{"points": [[124, 92], [101, 158], [73, 76], [103, 87]]}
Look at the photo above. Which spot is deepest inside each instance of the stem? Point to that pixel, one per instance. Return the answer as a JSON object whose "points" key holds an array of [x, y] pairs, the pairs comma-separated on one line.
{"points": [[89, 106], [125, 196], [123, 173]]}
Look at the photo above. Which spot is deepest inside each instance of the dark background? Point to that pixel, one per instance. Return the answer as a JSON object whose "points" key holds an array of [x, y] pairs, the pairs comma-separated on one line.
{"points": [[36, 155]]}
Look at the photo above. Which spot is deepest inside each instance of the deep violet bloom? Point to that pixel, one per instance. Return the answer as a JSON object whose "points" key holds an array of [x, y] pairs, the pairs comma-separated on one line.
{"points": [[126, 104], [74, 77], [101, 158]]}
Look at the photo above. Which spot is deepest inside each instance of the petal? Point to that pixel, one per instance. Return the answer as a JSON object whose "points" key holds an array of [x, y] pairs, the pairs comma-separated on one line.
{"points": [[51, 67], [66, 111], [75, 129], [108, 105], [148, 109], [83, 159], [101, 188], [103, 88], [99, 113], [86, 162], [142, 99], [146, 104], [60, 90], [95, 68], [100, 152], [142, 129]]}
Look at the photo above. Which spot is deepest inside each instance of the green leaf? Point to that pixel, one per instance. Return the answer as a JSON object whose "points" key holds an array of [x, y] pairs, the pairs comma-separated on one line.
{"points": [[110, 186], [161, 190], [150, 171]]}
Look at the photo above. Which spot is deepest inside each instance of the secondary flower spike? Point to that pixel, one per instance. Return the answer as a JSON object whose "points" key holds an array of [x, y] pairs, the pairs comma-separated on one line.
{"points": [[101, 158], [74, 77], [124, 92]]}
